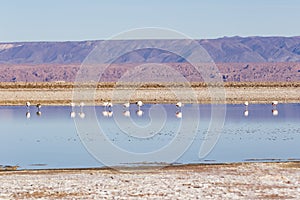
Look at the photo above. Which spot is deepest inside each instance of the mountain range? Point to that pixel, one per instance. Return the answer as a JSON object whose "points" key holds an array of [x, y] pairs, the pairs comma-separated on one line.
{"points": [[239, 59], [221, 50]]}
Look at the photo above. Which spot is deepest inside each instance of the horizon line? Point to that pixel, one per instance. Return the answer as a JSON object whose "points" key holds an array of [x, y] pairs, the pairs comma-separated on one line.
{"points": [[94, 40]]}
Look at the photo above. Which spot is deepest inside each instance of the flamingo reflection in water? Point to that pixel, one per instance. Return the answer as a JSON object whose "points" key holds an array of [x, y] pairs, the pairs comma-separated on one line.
{"points": [[246, 111], [109, 112], [72, 113], [126, 113], [28, 111], [179, 114], [28, 114], [139, 112], [274, 110], [38, 113], [179, 104], [81, 113]]}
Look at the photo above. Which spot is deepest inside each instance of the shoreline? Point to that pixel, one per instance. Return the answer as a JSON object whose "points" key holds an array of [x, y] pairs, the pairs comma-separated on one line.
{"points": [[216, 181], [61, 93], [148, 168]]}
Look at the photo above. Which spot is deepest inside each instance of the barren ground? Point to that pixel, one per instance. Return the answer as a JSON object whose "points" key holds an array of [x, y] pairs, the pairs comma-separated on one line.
{"points": [[60, 93], [225, 181]]}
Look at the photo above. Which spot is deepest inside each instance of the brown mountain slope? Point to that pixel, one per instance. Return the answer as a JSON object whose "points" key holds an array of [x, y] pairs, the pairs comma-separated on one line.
{"points": [[230, 72]]}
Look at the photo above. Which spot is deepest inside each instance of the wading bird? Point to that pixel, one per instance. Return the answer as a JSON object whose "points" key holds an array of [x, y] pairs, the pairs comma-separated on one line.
{"points": [[126, 105], [27, 104], [179, 104], [274, 103], [139, 103], [81, 104]]}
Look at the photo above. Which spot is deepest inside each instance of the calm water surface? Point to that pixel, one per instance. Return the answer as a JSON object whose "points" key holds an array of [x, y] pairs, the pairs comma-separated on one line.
{"points": [[51, 140]]}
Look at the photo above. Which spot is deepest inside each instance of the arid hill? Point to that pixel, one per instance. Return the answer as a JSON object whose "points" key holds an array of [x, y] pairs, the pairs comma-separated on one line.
{"points": [[222, 50], [230, 72], [258, 59]]}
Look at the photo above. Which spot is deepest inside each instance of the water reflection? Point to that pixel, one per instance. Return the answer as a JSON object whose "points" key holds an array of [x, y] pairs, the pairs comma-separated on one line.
{"points": [[38, 113], [178, 114], [53, 140], [81, 114], [275, 112], [139, 113], [72, 114], [126, 113], [27, 114], [246, 113]]}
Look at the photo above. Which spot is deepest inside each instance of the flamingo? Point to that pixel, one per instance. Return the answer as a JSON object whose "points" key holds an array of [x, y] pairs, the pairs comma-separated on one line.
{"points": [[139, 103], [72, 113], [38, 106], [246, 112], [27, 104], [179, 104], [81, 104], [38, 113], [126, 105], [107, 104], [274, 103]]}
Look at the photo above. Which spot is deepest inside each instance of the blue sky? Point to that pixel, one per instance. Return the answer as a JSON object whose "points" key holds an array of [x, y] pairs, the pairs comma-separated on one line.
{"points": [[67, 20]]}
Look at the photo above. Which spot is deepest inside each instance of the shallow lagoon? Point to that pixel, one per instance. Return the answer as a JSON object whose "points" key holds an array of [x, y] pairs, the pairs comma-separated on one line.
{"points": [[51, 139]]}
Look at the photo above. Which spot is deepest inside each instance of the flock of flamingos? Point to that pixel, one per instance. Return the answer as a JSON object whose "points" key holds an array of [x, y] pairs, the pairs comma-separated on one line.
{"points": [[107, 111]]}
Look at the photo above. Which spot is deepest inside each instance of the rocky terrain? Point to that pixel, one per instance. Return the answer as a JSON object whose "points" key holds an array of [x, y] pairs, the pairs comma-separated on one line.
{"points": [[229, 72]]}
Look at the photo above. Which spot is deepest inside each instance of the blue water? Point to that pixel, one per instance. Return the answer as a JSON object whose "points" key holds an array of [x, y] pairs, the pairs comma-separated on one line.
{"points": [[51, 140]]}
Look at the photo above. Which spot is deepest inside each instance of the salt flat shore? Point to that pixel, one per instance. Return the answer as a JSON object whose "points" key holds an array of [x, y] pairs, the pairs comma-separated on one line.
{"points": [[231, 93], [223, 181]]}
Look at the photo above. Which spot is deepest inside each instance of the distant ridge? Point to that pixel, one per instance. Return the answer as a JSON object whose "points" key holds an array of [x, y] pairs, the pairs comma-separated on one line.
{"points": [[222, 50]]}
